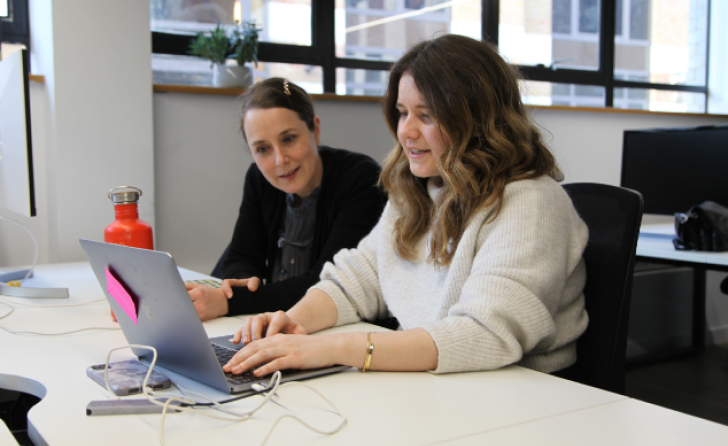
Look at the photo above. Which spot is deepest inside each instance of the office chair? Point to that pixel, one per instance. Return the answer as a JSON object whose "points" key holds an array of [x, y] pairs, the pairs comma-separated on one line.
{"points": [[613, 216]]}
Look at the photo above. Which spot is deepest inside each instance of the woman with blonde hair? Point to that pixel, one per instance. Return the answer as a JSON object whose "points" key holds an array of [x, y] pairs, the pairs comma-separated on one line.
{"points": [[478, 253]]}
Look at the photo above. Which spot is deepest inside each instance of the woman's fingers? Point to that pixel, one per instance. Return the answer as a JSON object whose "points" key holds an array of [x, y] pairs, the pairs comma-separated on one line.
{"points": [[227, 285], [253, 283], [278, 323], [258, 326], [282, 352]]}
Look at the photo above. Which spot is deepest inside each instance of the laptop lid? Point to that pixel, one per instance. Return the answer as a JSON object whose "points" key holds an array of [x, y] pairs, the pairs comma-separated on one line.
{"points": [[165, 316], [161, 314]]}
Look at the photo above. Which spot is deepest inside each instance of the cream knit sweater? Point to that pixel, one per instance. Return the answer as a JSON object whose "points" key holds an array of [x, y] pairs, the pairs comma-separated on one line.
{"points": [[513, 292]]}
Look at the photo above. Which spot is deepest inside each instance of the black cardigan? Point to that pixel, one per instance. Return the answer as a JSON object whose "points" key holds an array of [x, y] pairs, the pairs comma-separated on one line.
{"points": [[349, 206]]}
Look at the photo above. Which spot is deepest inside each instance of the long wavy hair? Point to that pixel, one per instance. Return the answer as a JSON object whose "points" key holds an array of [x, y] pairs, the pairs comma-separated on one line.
{"points": [[473, 95]]}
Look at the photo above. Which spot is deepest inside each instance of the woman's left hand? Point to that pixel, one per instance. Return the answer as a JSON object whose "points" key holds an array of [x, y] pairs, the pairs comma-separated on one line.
{"points": [[284, 351]]}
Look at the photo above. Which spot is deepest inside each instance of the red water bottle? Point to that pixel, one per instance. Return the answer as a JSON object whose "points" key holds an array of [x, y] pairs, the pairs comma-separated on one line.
{"points": [[127, 229]]}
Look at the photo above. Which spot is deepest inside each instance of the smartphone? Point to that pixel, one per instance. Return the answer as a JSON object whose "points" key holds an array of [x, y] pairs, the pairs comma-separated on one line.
{"points": [[127, 377]]}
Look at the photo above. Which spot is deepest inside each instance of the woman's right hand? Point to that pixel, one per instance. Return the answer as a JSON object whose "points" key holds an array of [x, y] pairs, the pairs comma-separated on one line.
{"points": [[227, 285], [266, 325]]}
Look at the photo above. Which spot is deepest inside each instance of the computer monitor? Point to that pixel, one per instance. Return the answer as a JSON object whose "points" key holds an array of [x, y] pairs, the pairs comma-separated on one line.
{"points": [[17, 189], [676, 168]]}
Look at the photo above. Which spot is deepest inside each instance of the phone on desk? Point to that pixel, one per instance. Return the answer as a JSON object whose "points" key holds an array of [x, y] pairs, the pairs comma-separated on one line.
{"points": [[127, 377]]}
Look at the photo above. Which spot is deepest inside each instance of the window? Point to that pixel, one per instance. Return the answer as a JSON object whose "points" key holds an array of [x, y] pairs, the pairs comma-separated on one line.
{"points": [[639, 54], [14, 22]]}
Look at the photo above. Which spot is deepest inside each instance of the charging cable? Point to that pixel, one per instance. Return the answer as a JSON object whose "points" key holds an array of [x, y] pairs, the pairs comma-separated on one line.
{"points": [[17, 291], [188, 405], [12, 310]]}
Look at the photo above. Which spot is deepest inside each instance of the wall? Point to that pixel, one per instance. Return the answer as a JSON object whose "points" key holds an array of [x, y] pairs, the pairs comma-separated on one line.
{"points": [[92, 122]]}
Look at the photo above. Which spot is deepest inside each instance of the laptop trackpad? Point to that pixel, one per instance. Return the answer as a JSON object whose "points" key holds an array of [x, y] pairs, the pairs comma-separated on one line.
{"points": [[226, 341]]}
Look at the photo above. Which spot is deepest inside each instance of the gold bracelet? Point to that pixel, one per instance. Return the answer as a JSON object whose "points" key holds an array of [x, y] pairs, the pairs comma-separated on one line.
{"points": [[370, 349]]}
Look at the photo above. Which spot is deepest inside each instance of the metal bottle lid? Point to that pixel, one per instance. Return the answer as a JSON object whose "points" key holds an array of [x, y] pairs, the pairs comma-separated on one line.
{"points": [[125, 194]]}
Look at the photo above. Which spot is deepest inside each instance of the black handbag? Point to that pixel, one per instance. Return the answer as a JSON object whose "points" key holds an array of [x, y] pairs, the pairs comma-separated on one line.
{"points": [[703, 228]]}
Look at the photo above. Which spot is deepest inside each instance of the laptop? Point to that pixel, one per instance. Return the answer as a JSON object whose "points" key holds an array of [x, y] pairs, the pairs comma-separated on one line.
{"points": [[152, 306]]}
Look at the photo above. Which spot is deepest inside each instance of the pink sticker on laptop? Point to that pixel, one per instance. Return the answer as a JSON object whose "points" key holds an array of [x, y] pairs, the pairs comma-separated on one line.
{"points": [[121, 296]]}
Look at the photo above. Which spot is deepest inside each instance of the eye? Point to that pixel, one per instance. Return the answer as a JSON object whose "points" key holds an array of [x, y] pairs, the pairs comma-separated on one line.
{"points": [[289, 138], [402, 113], [261, 149]]}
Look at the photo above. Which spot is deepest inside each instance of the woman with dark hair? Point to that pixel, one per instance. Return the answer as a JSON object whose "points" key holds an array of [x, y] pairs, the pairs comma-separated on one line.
{"points": [[478, 253], [302, 203]]}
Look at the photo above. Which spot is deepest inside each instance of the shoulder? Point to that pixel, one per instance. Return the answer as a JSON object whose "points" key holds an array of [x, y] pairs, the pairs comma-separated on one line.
{"points": [[541, 192]]}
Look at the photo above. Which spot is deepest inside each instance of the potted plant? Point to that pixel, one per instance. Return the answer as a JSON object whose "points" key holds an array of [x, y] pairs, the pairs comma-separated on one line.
{"points": [[218, 47]]}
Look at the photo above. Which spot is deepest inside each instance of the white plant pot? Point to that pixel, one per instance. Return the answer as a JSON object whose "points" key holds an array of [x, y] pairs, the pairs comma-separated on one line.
{"points": [[231, 76]]}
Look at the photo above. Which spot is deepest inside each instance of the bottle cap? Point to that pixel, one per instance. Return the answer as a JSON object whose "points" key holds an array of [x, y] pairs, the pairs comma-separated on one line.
{"points": [[125, 194]]}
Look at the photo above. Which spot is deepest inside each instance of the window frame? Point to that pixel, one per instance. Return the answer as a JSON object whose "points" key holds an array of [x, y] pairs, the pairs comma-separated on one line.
{"points": [[322, 52], [16, 27]]}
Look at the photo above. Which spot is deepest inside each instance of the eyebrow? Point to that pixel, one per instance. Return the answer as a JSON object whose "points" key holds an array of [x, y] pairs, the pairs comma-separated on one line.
{"points": [[288, 130], [399, 104]]}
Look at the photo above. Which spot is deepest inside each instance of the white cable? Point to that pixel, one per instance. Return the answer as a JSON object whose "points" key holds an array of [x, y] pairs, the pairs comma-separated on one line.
{"points": [[35, 244], [12, 310], [273, 385]]}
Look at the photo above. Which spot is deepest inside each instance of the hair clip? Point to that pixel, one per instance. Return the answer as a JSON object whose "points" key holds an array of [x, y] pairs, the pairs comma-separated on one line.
{"points": [[285, 87]]}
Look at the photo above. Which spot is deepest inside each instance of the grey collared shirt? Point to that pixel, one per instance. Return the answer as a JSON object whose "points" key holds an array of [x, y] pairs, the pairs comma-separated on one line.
{"points": [[296, 238]]}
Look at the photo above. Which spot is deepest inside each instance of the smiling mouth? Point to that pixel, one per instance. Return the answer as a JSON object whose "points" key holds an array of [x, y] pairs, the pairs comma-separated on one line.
{"points": [[288, 174], [417, 152]]}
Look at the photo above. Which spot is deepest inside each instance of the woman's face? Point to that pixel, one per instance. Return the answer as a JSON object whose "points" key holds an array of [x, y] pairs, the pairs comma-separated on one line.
{"points": [[284, 149], [420, 136]]}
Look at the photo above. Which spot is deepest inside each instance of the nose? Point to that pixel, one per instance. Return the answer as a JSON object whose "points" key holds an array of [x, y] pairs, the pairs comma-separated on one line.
{"points": [[407, 129], [281, 156]]}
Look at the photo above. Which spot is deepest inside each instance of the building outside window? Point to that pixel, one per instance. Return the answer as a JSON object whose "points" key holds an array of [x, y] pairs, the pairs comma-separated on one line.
{"points": [[655, 59]]}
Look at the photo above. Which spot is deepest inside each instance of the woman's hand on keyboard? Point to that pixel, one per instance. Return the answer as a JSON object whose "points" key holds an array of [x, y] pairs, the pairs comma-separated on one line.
{"points": [[265, 325], [227, 285], [282, 352]]}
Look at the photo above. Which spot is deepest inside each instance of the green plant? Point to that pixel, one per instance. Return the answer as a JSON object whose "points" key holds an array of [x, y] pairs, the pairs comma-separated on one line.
{"points": [[218, 46], [215, 47], [245, 39]]}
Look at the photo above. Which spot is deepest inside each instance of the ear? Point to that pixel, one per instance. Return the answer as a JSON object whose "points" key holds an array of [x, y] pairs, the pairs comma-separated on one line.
{"points": [[317, 128]]}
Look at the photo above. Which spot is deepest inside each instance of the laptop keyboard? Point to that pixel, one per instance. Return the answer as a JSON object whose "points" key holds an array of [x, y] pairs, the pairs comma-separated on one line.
{"points": [[223, 356]]}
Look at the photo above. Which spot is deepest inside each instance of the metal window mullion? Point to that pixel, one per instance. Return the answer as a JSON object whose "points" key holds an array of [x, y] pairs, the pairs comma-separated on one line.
{"points": [[606, 49], [662, 87], [361, 64], [489, 20], [707, 57], [324, 40]]}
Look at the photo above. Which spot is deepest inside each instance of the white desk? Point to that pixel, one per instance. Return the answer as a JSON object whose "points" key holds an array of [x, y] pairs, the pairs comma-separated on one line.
{"points": [[382, 408], [657, 247]]}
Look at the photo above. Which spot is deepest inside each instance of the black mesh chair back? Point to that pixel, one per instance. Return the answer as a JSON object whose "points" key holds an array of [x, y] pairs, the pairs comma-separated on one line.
{"points": [[613, 216]]}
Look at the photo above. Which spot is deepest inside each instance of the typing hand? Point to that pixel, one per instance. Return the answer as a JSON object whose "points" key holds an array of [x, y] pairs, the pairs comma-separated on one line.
{"points": [[271, 324], [252, 283], [282, 352], [209, 302]]}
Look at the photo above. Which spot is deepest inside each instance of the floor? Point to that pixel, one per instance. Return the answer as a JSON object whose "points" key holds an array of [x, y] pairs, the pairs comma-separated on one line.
{"points": [[697, 386]]}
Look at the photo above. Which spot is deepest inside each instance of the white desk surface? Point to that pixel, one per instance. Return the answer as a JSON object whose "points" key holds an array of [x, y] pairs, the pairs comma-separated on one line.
{"points": [[382, 408], [660, 246]]}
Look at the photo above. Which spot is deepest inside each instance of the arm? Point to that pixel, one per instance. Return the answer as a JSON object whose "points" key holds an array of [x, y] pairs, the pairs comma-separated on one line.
{"points": [[410, 350], [354, 216]]}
